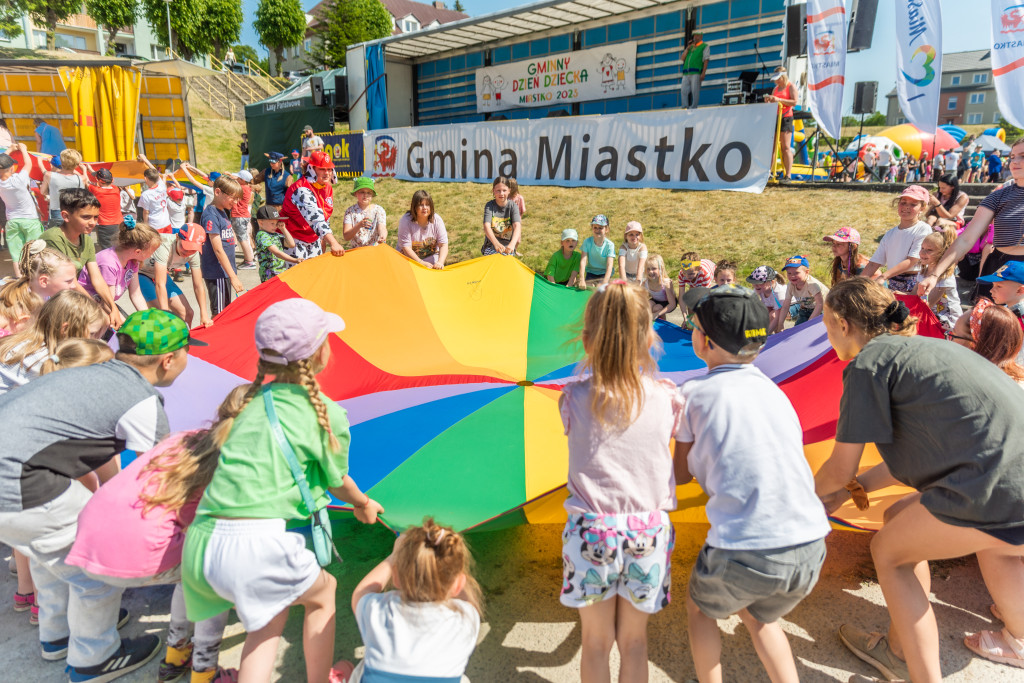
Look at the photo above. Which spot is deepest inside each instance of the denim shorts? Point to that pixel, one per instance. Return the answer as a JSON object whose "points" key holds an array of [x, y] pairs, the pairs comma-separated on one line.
{"points": [[767, 583]]}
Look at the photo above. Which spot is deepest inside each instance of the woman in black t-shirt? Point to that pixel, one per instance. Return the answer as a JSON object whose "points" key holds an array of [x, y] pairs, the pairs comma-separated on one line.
{"points": [[949, 424]]}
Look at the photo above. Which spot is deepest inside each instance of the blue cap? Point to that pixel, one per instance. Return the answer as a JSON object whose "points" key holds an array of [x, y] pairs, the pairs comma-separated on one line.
{"points": [[1012, 271], [214, 175], [600, 219], [55, 161], [276, 156], [796, 262]]}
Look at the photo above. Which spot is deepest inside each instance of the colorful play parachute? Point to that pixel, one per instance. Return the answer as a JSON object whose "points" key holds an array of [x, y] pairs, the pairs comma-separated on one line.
{"points": [[451, 380]]}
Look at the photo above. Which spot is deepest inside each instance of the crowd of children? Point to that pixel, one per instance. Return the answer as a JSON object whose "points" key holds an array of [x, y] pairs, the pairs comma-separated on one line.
{"points": [[206, 510]]}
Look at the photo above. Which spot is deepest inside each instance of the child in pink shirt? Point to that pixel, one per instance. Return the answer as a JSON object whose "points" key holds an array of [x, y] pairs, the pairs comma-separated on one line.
{"points": [[132, 530], [119, 265]]}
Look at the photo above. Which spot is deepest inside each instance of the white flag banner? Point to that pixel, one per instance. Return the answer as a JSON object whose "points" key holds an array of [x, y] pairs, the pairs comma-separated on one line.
{"points": [[919, 53], [826, 62], [596, 74], [1008, 59], [712, 148]]}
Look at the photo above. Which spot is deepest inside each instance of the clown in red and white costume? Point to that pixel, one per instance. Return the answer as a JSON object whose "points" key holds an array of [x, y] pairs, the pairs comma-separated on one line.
{"points": [[308, 205]]}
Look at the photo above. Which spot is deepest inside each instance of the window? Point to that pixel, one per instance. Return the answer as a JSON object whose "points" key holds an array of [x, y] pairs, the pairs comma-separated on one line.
{"points": [[71, 41], [158, 51], [40, 37], [981, 78], [951, 103], [954, 80], [900, 121], [977, 98], [307, 45], [973, 118]]}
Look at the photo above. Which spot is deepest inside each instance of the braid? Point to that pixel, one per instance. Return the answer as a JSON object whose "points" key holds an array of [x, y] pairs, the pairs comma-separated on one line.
{"points": [[308, 380]]}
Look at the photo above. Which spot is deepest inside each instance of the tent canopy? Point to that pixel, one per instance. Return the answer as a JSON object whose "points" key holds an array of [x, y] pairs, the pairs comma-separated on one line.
{"points": [[275, 124], [991, 142]]}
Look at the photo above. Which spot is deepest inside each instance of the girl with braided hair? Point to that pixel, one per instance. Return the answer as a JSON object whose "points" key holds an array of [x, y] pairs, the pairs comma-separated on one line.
{"points": [[238, 552], [949, 424], [427, 627]]}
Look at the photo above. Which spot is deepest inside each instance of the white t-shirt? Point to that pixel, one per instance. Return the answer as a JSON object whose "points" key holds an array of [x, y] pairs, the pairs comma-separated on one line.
{"points": [[16, 196], [773, 298], [176, 212], [884, 157], [417, 639], [898, 245], [18, 374], [748, 456], [947, 309], [154, 200], [633, 257]]}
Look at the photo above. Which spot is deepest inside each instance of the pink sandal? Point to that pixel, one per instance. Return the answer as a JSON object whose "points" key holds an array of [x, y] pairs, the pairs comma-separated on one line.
{"points": [[24, 602], [997, 646], [341, 671]]}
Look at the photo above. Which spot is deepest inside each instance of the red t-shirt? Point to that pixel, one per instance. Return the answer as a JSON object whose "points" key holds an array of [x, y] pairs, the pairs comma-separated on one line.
{"points": [[241, 208], [110, 203], [787, 93]]}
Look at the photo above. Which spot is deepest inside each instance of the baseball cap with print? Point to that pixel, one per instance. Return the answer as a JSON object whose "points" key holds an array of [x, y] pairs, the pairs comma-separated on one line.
{"points": [[796, 262], [153, 332], [600, 219], [192, 237], [732, 317], [1011, 271]]}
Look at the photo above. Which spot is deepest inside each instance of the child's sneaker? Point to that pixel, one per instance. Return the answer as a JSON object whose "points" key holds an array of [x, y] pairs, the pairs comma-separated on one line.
{"points": [[58, 649], [217, 675], [176, 664], [248, 265], [133, 653], [23, 603]]}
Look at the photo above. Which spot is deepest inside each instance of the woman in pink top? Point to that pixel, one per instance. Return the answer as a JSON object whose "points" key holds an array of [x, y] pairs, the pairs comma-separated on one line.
{"points": [[118, 267], [785, 95], [132, 531]]}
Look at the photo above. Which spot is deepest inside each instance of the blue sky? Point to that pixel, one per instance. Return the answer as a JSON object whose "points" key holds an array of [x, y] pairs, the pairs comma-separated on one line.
{"points": [[965, 27]]}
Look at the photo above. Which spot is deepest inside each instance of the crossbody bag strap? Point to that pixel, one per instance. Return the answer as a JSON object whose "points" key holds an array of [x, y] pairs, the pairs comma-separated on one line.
{"points": [[289, 452]]}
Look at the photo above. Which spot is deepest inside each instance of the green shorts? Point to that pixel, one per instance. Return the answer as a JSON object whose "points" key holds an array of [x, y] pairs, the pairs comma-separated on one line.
{"points": [[21, 231]]}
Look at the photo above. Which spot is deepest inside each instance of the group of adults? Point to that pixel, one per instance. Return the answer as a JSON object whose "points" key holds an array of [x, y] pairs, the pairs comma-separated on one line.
{"points": [[973, 165]]}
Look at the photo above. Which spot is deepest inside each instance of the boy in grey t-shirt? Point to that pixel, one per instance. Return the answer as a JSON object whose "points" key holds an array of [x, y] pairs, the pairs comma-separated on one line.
{"points": [[741, 439]]}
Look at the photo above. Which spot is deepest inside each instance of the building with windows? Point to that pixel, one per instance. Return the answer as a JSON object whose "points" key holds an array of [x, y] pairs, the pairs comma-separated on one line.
{"points": [[406, 17], [968, 95], [431, 73]]}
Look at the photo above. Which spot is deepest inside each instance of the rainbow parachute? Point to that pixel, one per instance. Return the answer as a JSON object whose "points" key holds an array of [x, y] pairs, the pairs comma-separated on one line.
{"points": [[451, 380]]}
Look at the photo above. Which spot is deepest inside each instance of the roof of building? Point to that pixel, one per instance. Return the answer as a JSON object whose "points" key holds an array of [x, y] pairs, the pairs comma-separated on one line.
{"points": [[425, 13], [516, 22]]}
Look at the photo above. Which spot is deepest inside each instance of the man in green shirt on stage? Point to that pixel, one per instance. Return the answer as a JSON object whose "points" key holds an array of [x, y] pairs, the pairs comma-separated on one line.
{"points": [[695, 65]]}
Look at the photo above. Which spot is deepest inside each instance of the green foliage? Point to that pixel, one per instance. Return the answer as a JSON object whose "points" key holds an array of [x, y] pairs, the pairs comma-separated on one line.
{"points": [[112, 16], [346, 22], [876, 119], [280, 24], [200, 27], [49, 13], [10, 21], [242, 53], [458, 7], [1012, 131], [850, 121]]}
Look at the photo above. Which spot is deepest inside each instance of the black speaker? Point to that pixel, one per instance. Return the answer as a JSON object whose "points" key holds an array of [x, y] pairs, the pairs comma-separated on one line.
{"points": [[864, 94], [316, 87], [862, 24], [341, 92], [796, 30]]}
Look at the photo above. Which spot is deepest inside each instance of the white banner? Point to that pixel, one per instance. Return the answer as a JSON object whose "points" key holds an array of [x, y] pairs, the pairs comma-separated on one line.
{"points": [[919, 54], [595, 74], [1008, 59], [713, 148], [826, 62]]}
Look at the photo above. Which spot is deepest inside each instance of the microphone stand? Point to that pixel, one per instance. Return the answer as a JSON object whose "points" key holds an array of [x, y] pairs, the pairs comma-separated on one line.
{"points": [[764, 67]]}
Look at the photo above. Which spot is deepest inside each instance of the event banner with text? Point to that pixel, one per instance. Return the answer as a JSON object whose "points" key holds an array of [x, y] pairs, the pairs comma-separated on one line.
{"points": [[1008, 58], [919, 58], [564, 78], [714, 148]]}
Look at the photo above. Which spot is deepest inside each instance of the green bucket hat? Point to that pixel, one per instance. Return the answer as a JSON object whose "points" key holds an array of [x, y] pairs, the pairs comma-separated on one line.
{"points": [[153, 332], [364, 183]]}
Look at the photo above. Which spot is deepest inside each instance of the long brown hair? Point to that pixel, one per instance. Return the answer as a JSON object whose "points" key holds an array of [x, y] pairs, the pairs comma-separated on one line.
{"points": [[68, 314], [182, 473], [616, 325], [866, 304], [429, 560], [840, 272], [999, 340], [76, 353]]}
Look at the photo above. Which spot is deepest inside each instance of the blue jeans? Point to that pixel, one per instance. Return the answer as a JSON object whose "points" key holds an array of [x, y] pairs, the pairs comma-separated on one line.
{"points": [[72, 604], [56, 220], [245, 162]]}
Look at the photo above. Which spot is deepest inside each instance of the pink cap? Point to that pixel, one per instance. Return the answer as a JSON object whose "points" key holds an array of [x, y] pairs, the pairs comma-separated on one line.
{"points": [[844, 234], [916, 192], [634, 226], [293, 329]]}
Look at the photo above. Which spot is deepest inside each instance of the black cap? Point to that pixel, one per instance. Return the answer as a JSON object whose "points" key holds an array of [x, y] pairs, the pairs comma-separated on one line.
{"points": [[267, 213], [276, 156], [105, 175], [693, 295], [732, 317]]}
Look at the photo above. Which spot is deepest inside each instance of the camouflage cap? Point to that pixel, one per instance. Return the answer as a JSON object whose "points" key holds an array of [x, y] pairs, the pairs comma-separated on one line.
{"points": [[153, 332]]}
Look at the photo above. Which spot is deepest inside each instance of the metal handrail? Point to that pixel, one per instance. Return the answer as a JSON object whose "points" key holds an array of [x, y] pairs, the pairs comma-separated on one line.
{"points": [[238, 83], [213, 94], [274, 80]]}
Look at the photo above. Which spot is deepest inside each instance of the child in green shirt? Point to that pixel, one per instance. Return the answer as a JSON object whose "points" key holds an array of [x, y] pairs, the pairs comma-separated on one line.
{"points": [[564, 265]]}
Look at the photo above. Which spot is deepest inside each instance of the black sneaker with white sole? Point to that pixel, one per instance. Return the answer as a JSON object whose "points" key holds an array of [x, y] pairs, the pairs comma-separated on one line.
{"points": [[55, 650], [133, 653]]}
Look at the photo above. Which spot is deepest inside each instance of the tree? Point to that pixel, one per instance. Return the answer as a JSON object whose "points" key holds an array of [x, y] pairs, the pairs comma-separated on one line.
{"points": [[876, 119], [242, 53], [280, 24], [49, 13], [112, 16], [1012, 131], [346, 22], [458, 6], [200, 27], [10, 20]]}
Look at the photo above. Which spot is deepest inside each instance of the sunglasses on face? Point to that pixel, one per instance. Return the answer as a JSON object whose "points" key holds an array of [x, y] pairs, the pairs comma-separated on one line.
{"points": [[950, 336]]}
